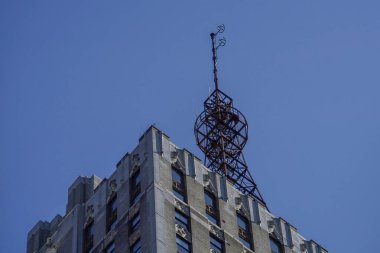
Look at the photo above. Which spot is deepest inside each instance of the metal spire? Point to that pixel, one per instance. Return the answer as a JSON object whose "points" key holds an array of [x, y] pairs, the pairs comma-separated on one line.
{"points": [[221, 132], [221, 43]]}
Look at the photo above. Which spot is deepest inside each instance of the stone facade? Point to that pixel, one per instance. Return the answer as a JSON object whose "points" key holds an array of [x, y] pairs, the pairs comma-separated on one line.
{"points": [[155, 157]]}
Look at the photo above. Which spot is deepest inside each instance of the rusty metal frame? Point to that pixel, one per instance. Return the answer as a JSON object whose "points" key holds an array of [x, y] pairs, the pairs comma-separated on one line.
{"points": [[221, 132]]}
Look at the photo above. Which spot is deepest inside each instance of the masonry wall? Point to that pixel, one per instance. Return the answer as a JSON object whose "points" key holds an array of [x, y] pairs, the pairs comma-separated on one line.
{"points": [[155, 156], [263, 224]]}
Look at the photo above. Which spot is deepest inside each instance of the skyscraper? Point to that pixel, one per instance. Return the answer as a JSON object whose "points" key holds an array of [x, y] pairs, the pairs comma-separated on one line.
{"points": [[163, 199]]}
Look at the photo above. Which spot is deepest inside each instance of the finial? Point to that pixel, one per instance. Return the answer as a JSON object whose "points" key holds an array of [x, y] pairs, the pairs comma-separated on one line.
{"points": [[221, 42]]}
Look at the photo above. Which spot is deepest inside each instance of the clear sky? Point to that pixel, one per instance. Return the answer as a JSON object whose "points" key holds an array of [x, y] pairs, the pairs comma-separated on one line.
{"points": [[80, 81]]}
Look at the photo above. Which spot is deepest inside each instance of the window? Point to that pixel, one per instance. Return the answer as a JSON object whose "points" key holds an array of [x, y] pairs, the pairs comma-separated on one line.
{"points": [[135, 187], [216, 244], [182, 245], [110, 248], [182, 220], [111, 213], [179, 189], [275, 246], [136, 247], [88, 237], [244, 231], [211, 208], [134, 223]]}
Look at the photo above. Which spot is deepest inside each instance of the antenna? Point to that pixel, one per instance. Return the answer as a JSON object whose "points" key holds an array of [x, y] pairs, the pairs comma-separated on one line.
{"points": [[221, 43], [221, 132]]}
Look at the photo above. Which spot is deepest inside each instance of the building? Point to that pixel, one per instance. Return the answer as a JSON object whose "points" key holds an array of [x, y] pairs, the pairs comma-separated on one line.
{"points": [[161, 198]]}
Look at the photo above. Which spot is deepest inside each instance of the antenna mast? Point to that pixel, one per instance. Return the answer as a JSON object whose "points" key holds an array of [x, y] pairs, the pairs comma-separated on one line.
{"points": [[221, 132], [221, 43]]}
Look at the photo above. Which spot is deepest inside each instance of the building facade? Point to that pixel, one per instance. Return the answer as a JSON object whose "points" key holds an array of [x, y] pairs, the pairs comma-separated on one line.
{"points": [[163, 199]]}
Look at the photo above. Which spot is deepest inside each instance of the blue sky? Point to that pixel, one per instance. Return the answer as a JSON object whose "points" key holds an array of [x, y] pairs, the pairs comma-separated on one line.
{"points": [[81, 80]]}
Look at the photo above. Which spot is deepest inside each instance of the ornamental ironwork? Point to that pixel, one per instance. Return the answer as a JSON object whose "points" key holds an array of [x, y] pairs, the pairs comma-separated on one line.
{"points": [[221, 132]]}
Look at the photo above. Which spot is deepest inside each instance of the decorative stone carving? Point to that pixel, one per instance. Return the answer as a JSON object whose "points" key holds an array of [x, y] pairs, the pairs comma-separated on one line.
{"points": [[90, 211], [206, 180], [174, 155], [50, 247], [181, 207], [133, 210], [216, 231], [176, 161], [134, 237], [178, 165], [240, 207], [209, 184], [136, 159], [303, 248], [183, 232], [271, 226], [135, 164], [112, 185], [89, 214], [238, 202]]}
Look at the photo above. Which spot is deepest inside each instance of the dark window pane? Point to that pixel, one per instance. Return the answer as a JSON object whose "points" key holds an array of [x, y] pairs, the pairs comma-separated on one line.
{"points": [[179, 195], [134, 223], [245, 243], [136, 248], [242, 222], [210, 200], [178, 184], [138, 178], [211, 208], [177, 176], [212, 218], [135, 187], [182, 245], [113, 205], [182, 219], [88, 237], [275, 246], [111, 213], [216, 245], [111, 248], [244, 231]]}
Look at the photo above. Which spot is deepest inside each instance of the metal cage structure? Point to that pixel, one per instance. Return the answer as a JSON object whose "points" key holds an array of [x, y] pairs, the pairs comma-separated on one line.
{"points": [[221, 132]]}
